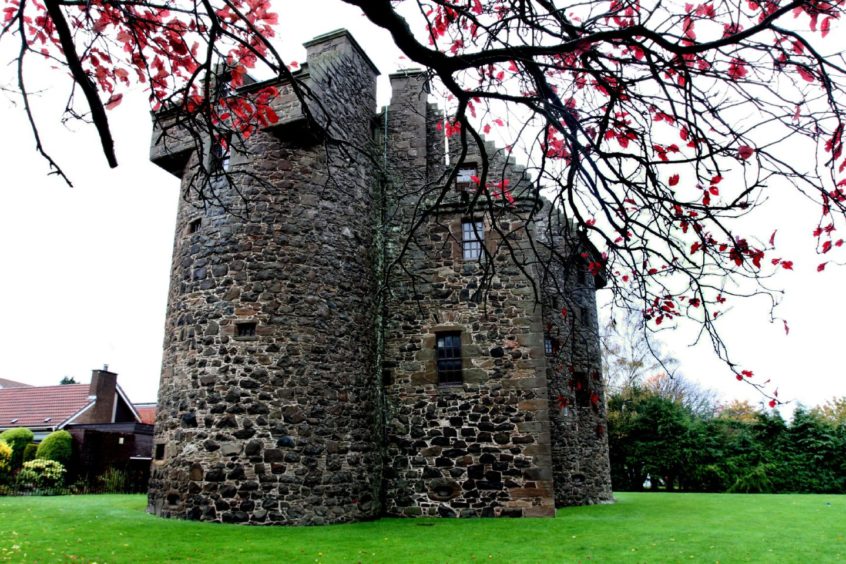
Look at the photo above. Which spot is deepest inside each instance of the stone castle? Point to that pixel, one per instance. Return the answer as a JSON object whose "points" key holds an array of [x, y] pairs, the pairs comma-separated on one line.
{"points": [[359, 341]]}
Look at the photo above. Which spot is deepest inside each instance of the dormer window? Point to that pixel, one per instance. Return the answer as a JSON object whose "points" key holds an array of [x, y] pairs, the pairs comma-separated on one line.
{"points": [[223, 85], [464, 179]]}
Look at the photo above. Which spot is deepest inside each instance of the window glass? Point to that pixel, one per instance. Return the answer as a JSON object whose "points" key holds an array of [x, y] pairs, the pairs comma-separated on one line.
{"points": [[464, 179], [472, 236], [220, 153], [449, 358]]}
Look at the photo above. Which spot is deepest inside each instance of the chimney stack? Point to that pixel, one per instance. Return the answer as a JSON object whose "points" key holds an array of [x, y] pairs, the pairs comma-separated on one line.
{"points": [[104, 389]]}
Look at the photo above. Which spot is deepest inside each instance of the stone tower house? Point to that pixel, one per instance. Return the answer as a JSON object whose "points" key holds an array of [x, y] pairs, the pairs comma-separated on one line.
{"points": [[325, 363]]}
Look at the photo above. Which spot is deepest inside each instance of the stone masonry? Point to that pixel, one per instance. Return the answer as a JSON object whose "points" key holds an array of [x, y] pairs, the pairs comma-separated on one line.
{"points": [[303, 376]]}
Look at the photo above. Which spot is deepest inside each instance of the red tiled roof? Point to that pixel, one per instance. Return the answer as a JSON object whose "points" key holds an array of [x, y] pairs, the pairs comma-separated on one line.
{"points": [[31, 406], [4, 383], [147, 413]]}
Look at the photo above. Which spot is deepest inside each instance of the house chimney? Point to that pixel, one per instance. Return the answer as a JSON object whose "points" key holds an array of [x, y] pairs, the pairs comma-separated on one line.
{"points": [[104, 389]]}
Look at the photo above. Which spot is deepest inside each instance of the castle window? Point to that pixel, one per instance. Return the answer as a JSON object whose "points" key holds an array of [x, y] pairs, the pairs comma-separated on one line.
{"points": [[221, 153], [472, 236], [247, 329], [223, 85], [194, 226], [581, 389], [585, 316], [449, 358], [160, 452], [547, 344], [464, 179]]}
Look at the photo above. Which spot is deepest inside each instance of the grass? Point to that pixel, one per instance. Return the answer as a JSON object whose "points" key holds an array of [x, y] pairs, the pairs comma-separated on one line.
{"points": [[641, 527]]}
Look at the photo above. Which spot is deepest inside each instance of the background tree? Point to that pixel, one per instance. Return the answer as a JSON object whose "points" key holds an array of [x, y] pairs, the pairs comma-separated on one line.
{"points": [[67, 380], [733, 451], [656, 129], [630, 353], [834, 410]]}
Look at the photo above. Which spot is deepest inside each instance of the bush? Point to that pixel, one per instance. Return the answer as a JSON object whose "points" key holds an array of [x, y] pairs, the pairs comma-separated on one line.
{"points": [[5, 461], [56, 446], [755, 480], [29, 452], [113, 480], [17, 439], [40, 474]]}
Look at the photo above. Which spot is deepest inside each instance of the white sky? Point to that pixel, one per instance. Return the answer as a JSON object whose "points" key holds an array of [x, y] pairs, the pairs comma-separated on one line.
{"points": [[85, 271]]}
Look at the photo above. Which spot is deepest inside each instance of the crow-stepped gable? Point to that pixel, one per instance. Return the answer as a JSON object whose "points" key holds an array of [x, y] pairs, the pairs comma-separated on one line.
{"points": [[322, 365]]}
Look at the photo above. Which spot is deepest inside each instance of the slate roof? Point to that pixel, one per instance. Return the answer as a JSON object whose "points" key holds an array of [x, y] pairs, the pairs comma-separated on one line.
{"points": [[42, 406]]}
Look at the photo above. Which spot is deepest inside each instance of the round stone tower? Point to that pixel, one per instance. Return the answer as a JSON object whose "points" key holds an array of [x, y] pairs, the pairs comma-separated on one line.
{"points": [[268, 398]]}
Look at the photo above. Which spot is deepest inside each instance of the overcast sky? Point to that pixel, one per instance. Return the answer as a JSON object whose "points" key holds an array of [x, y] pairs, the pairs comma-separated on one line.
{"points": [[85, 271]]}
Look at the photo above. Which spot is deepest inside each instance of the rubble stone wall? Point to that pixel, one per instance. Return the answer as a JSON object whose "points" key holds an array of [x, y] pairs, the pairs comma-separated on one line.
{"points": [[296, 389], [266, 407]]}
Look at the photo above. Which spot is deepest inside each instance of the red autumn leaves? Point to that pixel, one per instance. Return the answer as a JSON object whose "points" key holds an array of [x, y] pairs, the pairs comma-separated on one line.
{"points": [[157, 45]]}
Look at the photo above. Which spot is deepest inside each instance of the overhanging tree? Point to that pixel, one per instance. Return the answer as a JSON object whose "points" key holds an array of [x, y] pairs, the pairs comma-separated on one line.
{"points": [[657, 128]]}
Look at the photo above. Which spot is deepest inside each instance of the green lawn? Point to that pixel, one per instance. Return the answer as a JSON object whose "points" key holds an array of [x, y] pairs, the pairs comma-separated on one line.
{"points": [[645, 527]]}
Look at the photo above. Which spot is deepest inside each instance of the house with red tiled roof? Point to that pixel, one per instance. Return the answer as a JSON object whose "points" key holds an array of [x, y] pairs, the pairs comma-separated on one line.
{"points": [[107, 429], [147, 411], [44, 409], [12, 384]]}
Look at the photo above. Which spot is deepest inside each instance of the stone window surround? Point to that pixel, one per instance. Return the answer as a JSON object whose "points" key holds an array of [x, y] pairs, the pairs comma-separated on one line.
{"points": [[451, 375], [468, 246], [159, 453], [220, 158], [193, 225], [428, 355], [462, 179], [239, 322], [456, 234]]}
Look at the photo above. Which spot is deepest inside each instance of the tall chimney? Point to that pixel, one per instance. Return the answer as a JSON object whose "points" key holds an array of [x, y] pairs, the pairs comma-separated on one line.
{"points": [[104, 388]]}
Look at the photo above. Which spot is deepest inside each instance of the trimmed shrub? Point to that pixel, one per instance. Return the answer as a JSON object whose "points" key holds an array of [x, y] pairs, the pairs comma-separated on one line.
{"points": [[40, 474], [29, 452], [56, 446], [17, 439], [5, 461]]}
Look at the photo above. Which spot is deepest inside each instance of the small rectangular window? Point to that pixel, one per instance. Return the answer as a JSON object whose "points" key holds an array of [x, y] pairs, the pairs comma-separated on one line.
{"points": [[449, 358], [194, 226], [160, 451], [581, 389], [472, 236], [584, 314], [220, 153], [464, 178], [547, 344], [223, 85], [247, 329]]}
